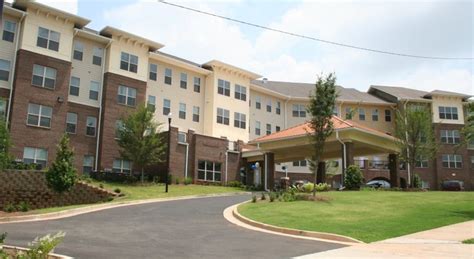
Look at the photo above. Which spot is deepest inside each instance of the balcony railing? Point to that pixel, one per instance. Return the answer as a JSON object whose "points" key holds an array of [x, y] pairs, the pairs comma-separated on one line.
{"points": [[375, 164]]}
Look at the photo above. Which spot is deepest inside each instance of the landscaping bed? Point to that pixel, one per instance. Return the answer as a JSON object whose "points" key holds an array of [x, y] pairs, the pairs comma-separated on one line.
{"points": [[366, 215]]}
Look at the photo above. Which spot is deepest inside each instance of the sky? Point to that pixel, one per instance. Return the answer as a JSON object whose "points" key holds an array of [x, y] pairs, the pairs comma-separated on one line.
{"points": [[428, 28]]}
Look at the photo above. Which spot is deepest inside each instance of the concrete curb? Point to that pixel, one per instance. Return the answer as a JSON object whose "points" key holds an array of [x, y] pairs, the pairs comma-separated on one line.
{"points": [[103, 206], [320, 236], [23, 249]]}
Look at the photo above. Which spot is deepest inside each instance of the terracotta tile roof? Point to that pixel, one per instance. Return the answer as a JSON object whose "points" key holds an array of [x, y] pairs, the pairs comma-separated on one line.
{"points": [[304, 129]]}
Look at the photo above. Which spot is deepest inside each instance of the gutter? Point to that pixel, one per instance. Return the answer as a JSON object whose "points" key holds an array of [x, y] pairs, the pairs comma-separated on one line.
{"points": [[99, 123], [13, 69], [286, 111]]}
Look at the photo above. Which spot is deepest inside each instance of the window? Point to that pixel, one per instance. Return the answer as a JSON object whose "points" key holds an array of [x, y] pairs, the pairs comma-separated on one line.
{"points": [[39, 115], [122, 166], [452, 161], [349, 113], [299, 110], [87, 164], [71, 122], [277, 128], [209, 171], [166, 106], [388, 115], [197, 84], [240, 120], [44, 76], [183, 83], [35, 155], [168, 76], [258, 102], [153, 74], [240, 92], [257, 128], [3, 107], [4, 70], [421, 162], [74, 86], [182, 111], [268, 129], [78, 51], [278, 108], [97, 54], [375, 115], [448, 113], [450, 136], [195, 113], [91, 125], [269, 105], [223, 87], [361, 114], [9, 29], [48, 39], [118, 126], [151, 103], [222, 116], [129, 62], [94, 91], [300, 163], [181, 137], [127, 95]]}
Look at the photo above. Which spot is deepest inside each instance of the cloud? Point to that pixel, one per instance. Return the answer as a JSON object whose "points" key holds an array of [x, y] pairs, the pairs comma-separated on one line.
{"points": [[422, 28]]}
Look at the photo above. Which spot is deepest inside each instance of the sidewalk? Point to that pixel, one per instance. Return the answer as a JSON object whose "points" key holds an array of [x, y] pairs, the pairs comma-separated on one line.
{"points": [[443, 242]]}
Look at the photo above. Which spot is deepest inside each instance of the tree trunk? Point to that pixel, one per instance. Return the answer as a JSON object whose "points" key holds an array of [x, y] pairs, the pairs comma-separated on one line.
{"points": [[143, 175], [316, 163]]}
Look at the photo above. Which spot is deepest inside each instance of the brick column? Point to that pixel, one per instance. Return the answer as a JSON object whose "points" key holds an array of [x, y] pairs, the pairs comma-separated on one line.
{"points": [[349, 153], [321, 174], [270, 163], [393, 165]]}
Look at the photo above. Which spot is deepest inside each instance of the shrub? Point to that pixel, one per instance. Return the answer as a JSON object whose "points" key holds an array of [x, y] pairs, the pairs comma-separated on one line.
{"points": [[416, 181], [177, 180], [117, 190], [308, 187], [23, 206], [170, 179], [322, 187], [353, 179], [62, 175], [2, 237], [41, 247], [101, 186], [9, 207], [188, 180], [110, 198], [234, 184], [289, 195], [254, 198], [272, 196], [263, 197]]}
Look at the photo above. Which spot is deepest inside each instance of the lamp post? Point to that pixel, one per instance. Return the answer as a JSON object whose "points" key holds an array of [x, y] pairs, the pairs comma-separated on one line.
{"points": [[169, 153]]}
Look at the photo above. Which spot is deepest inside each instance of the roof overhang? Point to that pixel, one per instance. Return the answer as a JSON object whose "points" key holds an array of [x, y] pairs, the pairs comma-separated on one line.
{"points": [[77, 20], [92, 36], [219, 64], [110, 31], [179, 63], [7, 9]]}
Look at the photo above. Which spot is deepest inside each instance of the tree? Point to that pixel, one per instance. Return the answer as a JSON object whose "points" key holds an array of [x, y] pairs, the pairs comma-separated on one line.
{"points": [[62, 175], [415, 136], [468, 129], [5, 144], [321, 105], [140, 140]]}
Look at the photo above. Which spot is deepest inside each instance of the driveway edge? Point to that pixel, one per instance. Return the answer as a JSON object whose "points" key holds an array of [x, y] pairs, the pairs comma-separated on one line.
{"points": [[102, 206], [232, 215]]}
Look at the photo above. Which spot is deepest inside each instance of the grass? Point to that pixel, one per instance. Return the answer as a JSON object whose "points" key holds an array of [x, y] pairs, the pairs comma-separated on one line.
{"points": [[469, 241], [367, 215]]}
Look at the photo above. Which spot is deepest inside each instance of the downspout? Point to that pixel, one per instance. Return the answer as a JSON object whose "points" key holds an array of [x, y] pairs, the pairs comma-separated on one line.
{"points": [[99, 124], [226, 161], [266, 172], [344, 159], [187, 160], [408, 150], [10, 95], [286, 111]]}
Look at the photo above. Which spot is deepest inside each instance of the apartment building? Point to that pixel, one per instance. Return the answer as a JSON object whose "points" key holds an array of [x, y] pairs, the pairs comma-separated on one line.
{"points": [[58, 76]]}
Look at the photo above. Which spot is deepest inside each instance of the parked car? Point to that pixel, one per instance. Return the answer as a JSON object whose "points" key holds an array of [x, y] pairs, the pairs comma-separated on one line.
{"points": [[452, 185], [378, 184]]}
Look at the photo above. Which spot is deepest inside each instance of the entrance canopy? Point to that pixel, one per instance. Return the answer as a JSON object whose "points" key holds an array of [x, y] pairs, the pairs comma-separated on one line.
{"points": [[295, 144]]}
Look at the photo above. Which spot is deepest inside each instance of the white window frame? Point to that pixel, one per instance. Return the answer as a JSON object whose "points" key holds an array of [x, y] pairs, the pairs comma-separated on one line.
{"points": [[212, 171], [361, 112], [75, 83], [269, 105], [421, 162], [97, 55], [94, 88], [258, 130], [122, 168], [240, 92], [268, 129], [153, 74], [183, 81], [278, 108], [129, 93], [299, 111], [71, 119], [196, 111], [182, 111], [130, 61], [448, 113], [182, 137], [79, 48], [452, 161], [197, 84], [6, 65], [450, 136], [36, 155], [258, 102], [8, 30], [240, 120], [166, 108], [91, 126], [48, 39], [168, 79], [223, 87], [151, 103], [40, 115], [44, 75], [375, 115], [223, 116], [88, 161]]}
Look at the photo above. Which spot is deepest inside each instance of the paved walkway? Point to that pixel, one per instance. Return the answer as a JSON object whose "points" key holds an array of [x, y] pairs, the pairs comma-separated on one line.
{"points": [[444, 242], [192, 228]]}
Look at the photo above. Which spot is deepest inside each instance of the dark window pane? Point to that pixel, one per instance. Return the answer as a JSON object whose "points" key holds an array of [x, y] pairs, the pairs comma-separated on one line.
{"points": [[133, 68], [53, 45], [131, 101], [45, 122], [201, 165], [197, 88], [4, 75], [71, 128], [226, 121], [90, 131], [167, 80], [121, 99], [37, 80], [74, 90], [8, 36], [93, 95], [195, 118], [33, 120], [41, 42], [182, 115], [49, 83], [201, 175], [123, 65], [152, 76], [183, 84], [77, 55], [96, 60], [217, 177], [166, 111]]}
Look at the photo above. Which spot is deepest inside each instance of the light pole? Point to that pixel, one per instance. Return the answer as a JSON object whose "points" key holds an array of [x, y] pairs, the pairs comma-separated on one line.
{"points": [[169, 153]]}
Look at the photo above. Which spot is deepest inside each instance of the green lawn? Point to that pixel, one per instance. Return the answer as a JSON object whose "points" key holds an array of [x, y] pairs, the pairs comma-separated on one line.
{"points": [[367, 215]]}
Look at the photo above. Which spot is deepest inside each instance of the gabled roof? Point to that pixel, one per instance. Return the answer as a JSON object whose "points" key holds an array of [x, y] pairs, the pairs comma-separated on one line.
{"points": [[464, 97], [220, 64], [108, 31], [304, 129], [303, 90], [400, 93]]}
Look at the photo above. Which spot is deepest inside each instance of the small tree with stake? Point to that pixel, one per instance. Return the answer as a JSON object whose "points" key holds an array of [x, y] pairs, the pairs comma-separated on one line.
{"points": [[62, 175], [140, 140], [321, 106]]}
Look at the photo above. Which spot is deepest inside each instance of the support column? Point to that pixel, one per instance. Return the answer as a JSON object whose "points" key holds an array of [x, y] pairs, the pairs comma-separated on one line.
{"points": [[270, 164], [349, 153], [393, 165], [321, 174]]}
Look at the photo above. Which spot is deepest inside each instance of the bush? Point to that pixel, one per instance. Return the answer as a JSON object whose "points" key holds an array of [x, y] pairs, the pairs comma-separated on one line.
{"points": [[101, 186], [323, 187], [289, 195], [308, 187], [254, 198], [23, 206], [263, 197], [62, 175], [177, 180], [272, 196], [170, 179], [353, 179], [416, 181], [113, 177], [117, 190], [188, 180], [41, 247], [9, 207], [234, 184]]}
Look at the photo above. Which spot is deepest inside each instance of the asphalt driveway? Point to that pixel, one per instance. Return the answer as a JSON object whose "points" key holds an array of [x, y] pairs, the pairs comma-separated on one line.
{"points": [[192, 228]]}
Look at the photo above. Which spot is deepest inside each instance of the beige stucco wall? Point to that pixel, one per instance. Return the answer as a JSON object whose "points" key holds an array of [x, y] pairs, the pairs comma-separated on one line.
{"points": [[380, 125], [131, 47], [7, 49], [36, 19], [263, 116], [87, 72], [447, 101]]}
